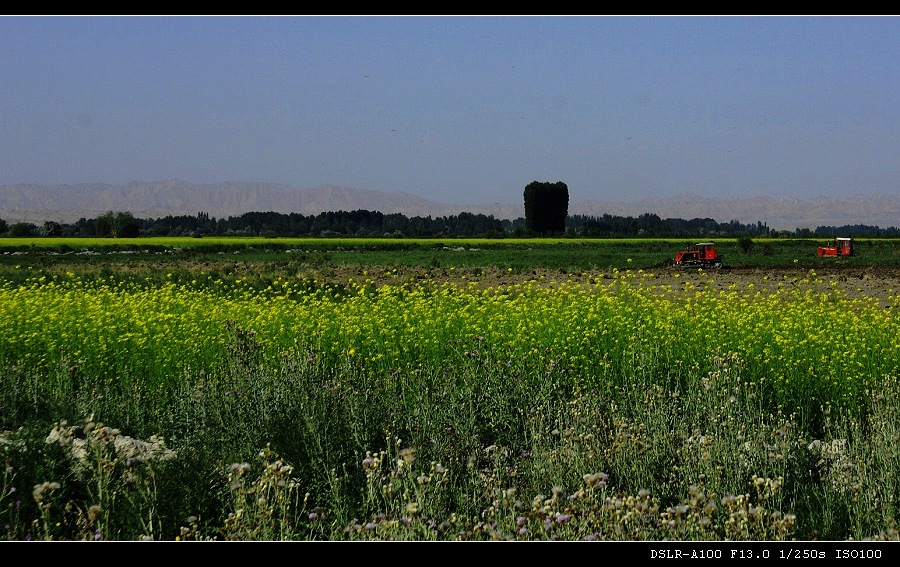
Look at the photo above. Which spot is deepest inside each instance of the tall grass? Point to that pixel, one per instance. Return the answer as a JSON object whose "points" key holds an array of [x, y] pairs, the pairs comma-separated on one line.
{"points": [[593, 408]]}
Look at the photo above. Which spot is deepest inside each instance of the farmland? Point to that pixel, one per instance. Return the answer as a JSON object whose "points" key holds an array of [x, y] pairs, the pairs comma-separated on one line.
{"points": [[340, 389]]}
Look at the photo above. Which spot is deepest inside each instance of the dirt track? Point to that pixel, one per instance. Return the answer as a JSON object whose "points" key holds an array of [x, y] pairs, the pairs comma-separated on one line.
{"points": [[882, 283]]}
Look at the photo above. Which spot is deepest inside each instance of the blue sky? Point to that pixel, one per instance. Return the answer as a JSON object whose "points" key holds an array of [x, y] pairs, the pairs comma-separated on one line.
{"points": [[458, 109]]}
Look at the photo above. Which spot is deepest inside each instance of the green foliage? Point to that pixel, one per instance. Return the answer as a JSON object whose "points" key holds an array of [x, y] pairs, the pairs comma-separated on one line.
{"points": [[408, 457], [117, 225], [22, 229], [522, 253]]}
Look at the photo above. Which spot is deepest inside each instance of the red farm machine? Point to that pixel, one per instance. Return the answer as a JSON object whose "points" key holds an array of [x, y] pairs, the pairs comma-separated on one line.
{"points": [[840, 247], [702, 255]]}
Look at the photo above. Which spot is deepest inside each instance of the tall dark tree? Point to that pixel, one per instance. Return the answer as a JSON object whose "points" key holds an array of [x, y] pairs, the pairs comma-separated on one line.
{"points": [[546, 207]]}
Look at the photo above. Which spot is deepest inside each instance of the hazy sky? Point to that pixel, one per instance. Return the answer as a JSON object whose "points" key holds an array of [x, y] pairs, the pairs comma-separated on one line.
{"points": [[457, 109]]}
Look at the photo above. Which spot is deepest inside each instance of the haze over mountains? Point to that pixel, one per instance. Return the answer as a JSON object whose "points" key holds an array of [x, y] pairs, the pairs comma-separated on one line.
{"points": [[68, 203]]}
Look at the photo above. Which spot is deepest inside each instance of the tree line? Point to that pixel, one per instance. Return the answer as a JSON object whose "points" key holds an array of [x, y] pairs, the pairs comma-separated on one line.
{"points": [[546, 206], [368, 224], [546, 214]]}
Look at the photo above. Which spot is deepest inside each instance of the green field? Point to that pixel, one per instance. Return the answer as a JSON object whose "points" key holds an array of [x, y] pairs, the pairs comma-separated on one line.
{"points": [[518, 253], [363, 389]]}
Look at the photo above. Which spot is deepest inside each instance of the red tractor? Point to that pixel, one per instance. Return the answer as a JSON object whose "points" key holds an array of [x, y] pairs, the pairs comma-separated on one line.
{"points": [[702, 255], [842, 247]]}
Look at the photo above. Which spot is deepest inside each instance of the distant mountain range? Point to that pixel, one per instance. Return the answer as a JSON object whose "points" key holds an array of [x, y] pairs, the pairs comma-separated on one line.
{"points": [[68, 203]]}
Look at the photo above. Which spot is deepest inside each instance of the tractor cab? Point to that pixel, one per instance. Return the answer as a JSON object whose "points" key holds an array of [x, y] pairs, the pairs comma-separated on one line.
{"points": [[841, 247], [703, 254]]}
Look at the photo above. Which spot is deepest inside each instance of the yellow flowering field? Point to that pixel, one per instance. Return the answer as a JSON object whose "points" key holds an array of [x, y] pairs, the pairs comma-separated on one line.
{"points": [[810, 342], [303, 398]]}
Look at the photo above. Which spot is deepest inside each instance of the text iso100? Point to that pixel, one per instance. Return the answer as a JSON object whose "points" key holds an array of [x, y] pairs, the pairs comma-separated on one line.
{"points": [[857, 553]]}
